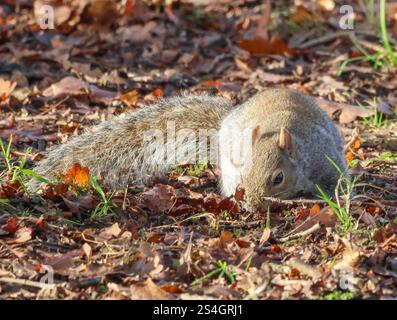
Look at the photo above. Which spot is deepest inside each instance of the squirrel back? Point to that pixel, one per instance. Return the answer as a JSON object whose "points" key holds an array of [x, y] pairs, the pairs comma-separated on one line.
{"points": [[123, 150]]}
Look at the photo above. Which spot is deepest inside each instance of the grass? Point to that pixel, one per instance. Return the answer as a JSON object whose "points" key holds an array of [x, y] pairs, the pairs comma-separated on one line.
{"points": [[377, 120], [338, 295], [388, 156], [197, 169], [342, 211], [383, 57], [391, 55], [104, 207], [222, 270], [17, 169], [193, 170]]}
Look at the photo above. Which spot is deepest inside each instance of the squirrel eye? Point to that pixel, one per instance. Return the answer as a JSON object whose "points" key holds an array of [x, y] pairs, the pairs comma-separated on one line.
{"points": [[279, 178]]}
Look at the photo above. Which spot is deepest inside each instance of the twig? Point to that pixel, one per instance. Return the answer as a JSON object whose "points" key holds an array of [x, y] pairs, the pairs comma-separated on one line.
{"points": [[29, 283], [303, 233], [324, 39], [292, 201]]}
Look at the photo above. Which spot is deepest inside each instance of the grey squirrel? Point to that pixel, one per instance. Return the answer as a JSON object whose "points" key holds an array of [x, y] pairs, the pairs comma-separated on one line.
{"points": [[273, 145]]}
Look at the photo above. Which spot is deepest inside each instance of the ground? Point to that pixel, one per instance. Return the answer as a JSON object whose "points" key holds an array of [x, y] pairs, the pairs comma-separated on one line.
{"points": [[179, 239]]}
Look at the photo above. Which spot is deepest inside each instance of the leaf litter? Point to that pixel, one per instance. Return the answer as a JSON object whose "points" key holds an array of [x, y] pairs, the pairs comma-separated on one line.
{"points": [[107, 57]]}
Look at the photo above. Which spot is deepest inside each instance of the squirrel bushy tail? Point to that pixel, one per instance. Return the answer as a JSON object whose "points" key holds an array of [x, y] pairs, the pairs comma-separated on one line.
{"points": [[113, 150]]}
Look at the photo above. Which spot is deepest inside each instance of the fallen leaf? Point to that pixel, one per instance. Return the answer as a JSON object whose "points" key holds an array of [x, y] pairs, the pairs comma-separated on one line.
{"points": [[304, 268], [225, 238], [261, 47], [22, 235], [314, 209], [11, 225], [160, 198], [76, 87], [349, 113], [86, 251], [265, 236], [6, 88], [239, 194], [129, 98], [148, 291], [62, 262], [77, 176], [79, 203], [111, 232]]}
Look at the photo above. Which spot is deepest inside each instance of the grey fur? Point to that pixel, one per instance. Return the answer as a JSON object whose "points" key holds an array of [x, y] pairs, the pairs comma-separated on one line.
{"points": [[115, 149]]}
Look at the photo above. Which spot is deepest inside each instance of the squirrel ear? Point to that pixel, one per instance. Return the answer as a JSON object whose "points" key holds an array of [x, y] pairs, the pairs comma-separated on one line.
{"points": [[256, 135], [285, 140]]}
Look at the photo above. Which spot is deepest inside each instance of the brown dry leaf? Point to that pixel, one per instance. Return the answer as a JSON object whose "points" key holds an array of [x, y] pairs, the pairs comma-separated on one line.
{"points": [[6, 88], [261, 47], [62, 262], [111, 232], [265, 236], [349, 113], [147, 262], [102, 12], [225, 238], [383, 234], [239, 194], [22, 235], [11, 225], [160, 198], [148, 291], [76, 87], [349, 259], [138, 33], [79, 204], [304, 268], [326, 217], [301, 14], [77, 175], [86, 251]]}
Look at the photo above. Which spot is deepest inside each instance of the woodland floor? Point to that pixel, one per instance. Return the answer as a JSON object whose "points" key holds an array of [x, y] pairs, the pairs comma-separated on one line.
{"points": [[180, 239]]}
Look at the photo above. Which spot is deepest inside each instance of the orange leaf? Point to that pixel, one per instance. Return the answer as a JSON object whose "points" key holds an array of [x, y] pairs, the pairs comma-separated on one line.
{"points": [[158, 93], [356, 144], [129, 98], [211, 83], [225, 238], [77, 176], [314, 209], [155, 238], [172, 288], [261, 47], [350, 156]]}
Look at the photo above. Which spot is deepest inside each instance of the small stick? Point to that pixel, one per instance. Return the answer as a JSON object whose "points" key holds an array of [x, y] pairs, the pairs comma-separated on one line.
{"points": [[303, 233], [292, 201], [29, 283], [324, 39]]}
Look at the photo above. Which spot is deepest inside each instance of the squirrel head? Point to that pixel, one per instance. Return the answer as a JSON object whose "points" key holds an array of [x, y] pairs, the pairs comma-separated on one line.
{"points": [[273, 170]]}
